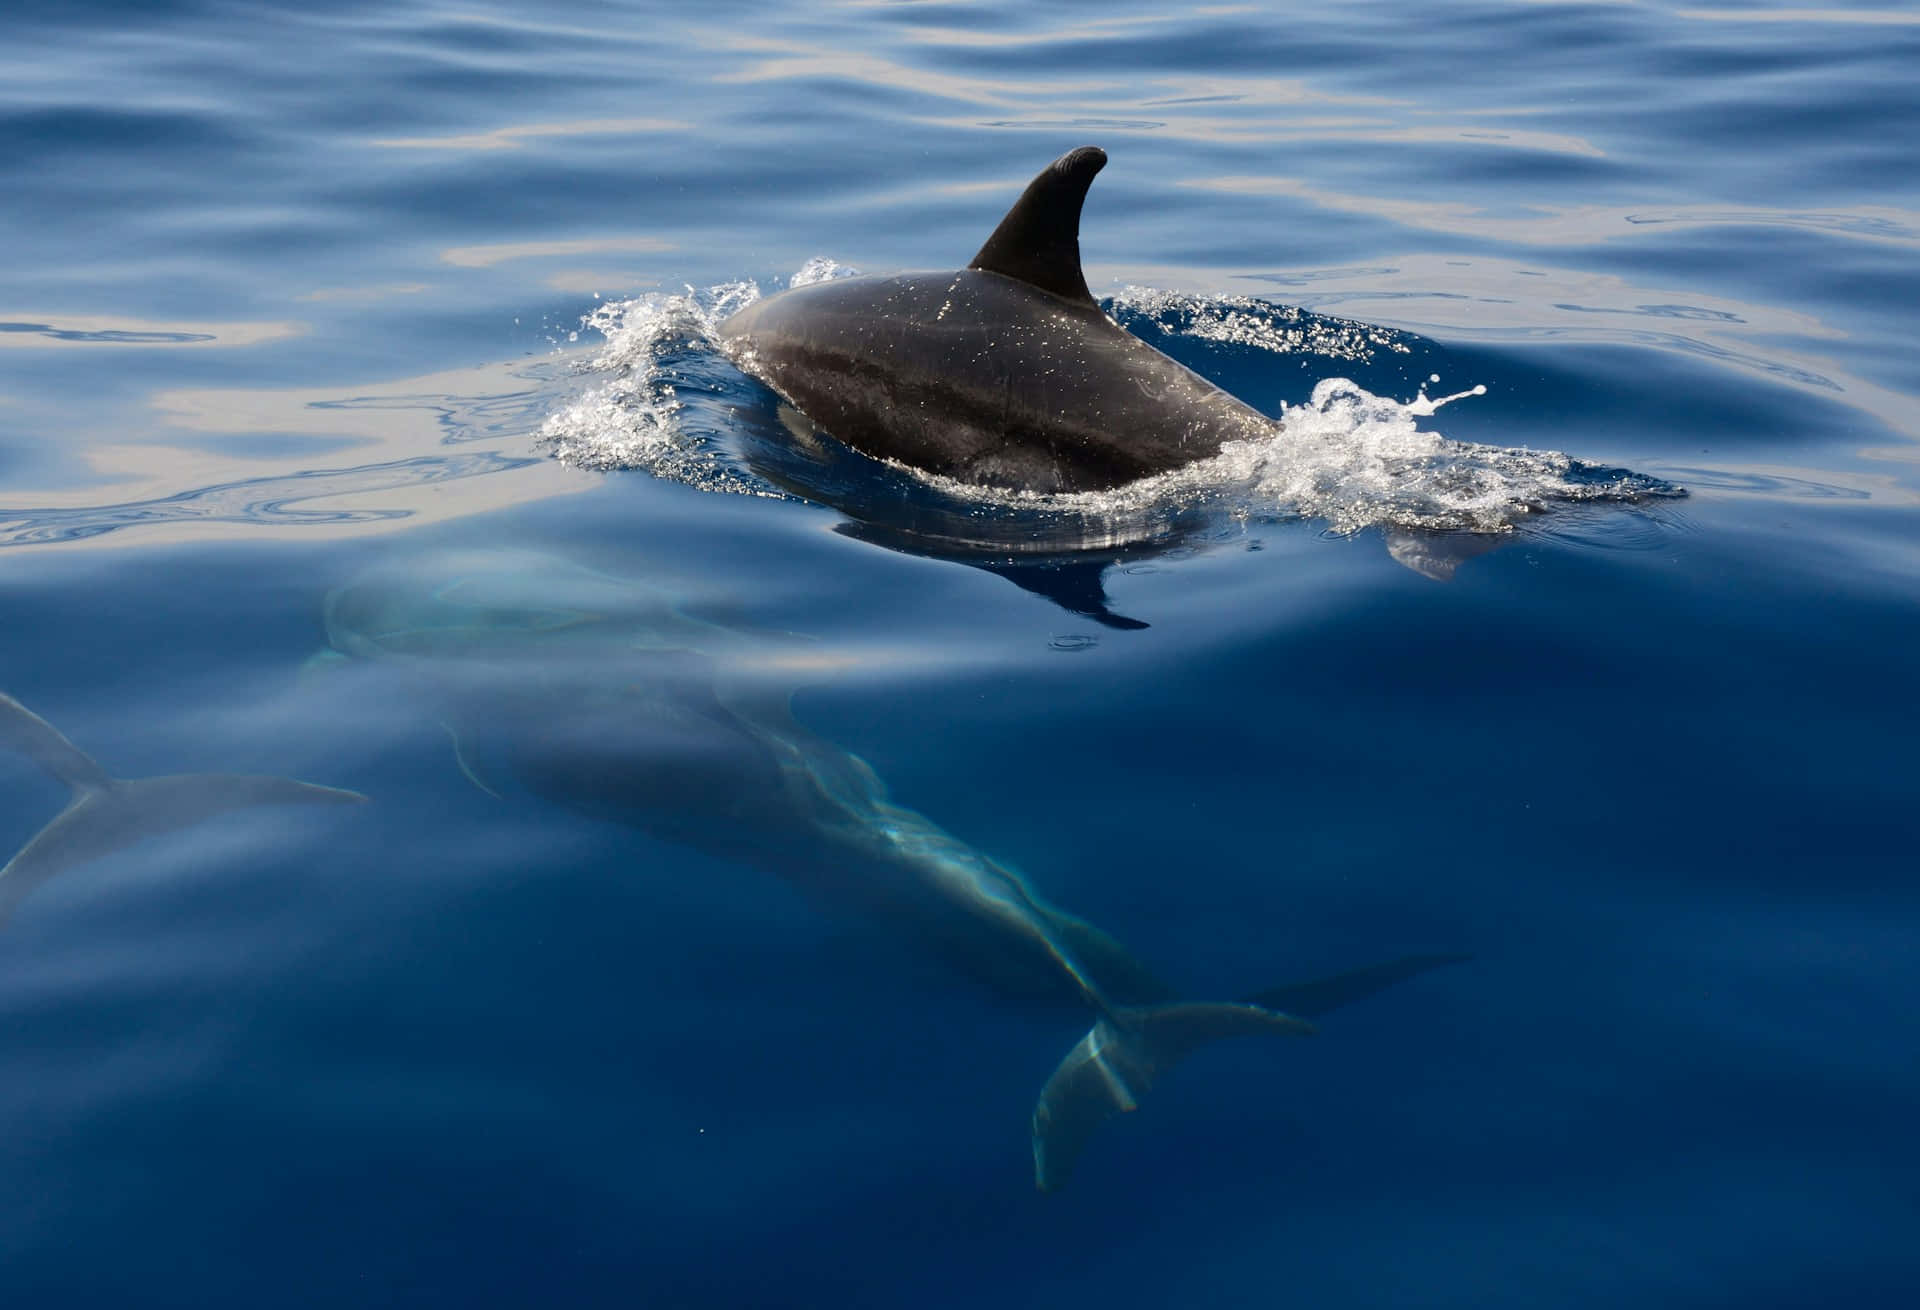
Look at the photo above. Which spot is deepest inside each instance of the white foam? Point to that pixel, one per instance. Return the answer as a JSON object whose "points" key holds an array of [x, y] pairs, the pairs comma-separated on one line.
{"points": [[1359, 460]]}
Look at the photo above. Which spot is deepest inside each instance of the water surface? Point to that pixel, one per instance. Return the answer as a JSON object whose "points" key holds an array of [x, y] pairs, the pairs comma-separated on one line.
{"points": [[297, 294]]}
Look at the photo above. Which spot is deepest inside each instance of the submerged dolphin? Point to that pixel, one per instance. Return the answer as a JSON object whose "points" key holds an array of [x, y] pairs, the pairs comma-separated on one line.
{"points": [[107, 813], [615, 699], [1005, 373]]}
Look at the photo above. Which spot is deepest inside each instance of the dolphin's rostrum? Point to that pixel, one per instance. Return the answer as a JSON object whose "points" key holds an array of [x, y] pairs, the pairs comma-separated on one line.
{"points": [[1005, 373]]}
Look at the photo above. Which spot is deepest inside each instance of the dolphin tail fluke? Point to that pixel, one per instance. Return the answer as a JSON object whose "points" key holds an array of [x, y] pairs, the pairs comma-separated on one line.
{"points": [[107, 813], [112, 813], [1115, 1064], [24, 731]]}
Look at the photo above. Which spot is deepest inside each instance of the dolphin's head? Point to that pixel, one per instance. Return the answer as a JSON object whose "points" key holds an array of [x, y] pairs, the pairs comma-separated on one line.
{"points": [[466, 602]]}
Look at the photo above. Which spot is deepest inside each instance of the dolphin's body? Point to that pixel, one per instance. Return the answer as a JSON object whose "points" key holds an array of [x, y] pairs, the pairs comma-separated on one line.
{"points": [[108, 813], [1005, 373], [615, 700]]}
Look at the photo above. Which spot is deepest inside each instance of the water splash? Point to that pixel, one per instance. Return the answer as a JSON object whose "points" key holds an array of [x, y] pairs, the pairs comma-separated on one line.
{"points": [[1358, 460], [820, 269], [1254, 324], [658, 348], [1347, 456], [1421, 406]]}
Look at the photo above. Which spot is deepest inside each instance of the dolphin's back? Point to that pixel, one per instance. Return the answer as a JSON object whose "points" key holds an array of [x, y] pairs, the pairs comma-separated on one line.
{"points": [[985, 379], [1004, 373]]}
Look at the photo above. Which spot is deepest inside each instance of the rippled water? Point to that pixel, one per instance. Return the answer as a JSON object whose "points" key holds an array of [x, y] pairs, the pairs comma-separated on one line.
{"points": [[361, 422]]}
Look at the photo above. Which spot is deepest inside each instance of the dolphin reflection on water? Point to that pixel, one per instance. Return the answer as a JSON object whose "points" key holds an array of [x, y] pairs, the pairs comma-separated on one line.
{"points": [[108, 813], [614, 698]]}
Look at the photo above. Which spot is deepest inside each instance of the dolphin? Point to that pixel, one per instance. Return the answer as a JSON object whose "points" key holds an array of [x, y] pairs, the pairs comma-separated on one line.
{"points": [[619, 700], [108, 813], [1005, 373]]}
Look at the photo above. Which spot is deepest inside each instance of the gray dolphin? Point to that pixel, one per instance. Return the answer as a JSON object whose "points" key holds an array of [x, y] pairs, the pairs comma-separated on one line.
{"points": [[107, 813], [617, 699], [1005, 373]]}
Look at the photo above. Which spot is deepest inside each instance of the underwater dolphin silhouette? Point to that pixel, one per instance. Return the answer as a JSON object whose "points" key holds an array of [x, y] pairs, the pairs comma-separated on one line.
{"points": [[107, 813], [1005, 373], [613, 698]]}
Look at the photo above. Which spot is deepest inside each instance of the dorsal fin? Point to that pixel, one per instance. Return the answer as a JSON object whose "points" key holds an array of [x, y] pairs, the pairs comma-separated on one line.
{"points": [[1038, 242]]}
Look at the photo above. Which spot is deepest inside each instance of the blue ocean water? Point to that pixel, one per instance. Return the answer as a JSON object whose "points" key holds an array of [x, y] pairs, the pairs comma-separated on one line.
{"points": [[359, 423]]}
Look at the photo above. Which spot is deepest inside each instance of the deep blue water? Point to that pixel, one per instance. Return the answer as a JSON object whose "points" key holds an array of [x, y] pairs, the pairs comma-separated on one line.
{"points": [[295, 293]]}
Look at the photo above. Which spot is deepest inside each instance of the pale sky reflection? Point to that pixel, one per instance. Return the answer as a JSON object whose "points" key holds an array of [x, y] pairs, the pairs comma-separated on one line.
{"points": [[1859, 17], [415, 452], [1561, 226], [787, 62], [1054, 104], [1252, 130], [587, 282], [367, 293], [52, 331], [1268, 91], [1098, 29], [1093, 98], [513, 138], [488, 256]]}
